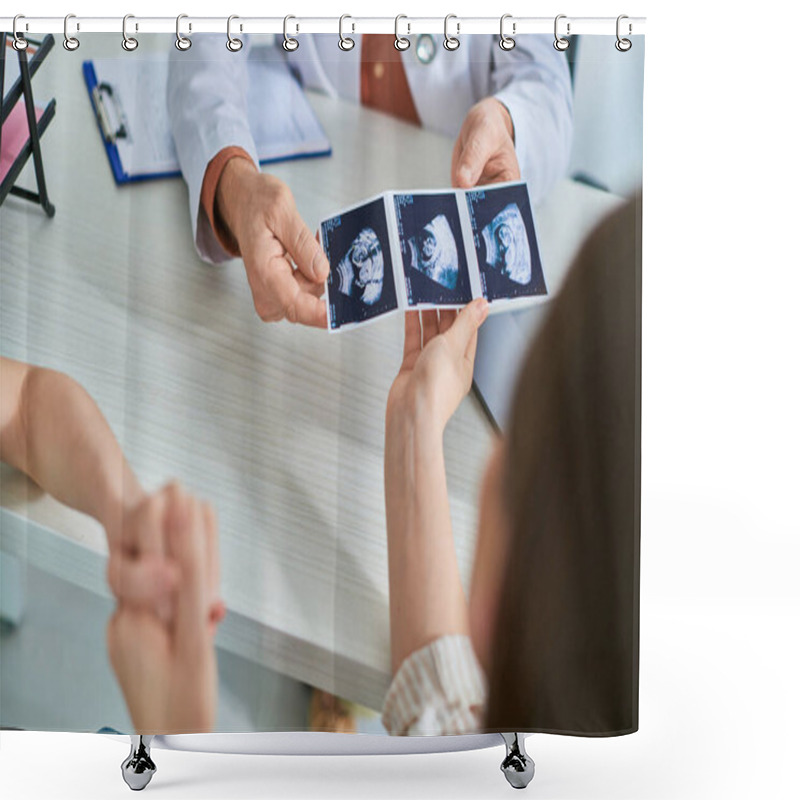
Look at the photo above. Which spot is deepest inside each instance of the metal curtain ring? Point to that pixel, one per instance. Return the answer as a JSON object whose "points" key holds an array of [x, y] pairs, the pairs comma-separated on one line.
{"points": [[451, 42], [289, 44], [233, 44], [20, 42], [507, 42], [623, 45], [400, 42], [71, 43], [128, 42], [181, 41], [560, 43], [345, 42]]}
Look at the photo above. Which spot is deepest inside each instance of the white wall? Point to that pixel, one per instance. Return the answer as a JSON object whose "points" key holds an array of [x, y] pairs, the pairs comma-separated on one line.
{"points": [[608, 92]]}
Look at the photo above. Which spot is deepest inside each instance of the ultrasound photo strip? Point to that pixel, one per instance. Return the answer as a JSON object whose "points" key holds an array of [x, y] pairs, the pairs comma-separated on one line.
{"points": [[431, 249]]}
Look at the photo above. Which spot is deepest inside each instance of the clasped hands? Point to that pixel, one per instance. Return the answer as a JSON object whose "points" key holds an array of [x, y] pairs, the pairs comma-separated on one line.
{"points": [[163, 568]]}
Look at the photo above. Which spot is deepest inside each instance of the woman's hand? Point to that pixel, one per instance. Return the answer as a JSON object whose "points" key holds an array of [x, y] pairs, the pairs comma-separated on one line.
{"points": [[438, 360], [426, 599], [167, 669]]}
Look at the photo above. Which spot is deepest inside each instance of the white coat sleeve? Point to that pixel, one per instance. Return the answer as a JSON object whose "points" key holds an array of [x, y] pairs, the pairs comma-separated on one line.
{"points": [[207, 106], [533, 82]]}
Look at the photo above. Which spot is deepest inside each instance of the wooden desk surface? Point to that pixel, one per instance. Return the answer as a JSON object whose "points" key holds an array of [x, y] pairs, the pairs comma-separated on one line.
{"points": [[280, 426]]}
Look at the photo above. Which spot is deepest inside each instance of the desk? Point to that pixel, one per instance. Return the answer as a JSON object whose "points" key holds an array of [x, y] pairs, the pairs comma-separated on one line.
{"points": [[281, 427]]}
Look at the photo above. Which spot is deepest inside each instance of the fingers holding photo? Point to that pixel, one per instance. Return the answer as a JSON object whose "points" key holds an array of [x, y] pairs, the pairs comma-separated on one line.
{"points": [[462, 330], [484, 151], [438, 359], [430, 326], [300, 302], [303, 247], [412, 345], [447, 316], [279, 290], [286, 266]]}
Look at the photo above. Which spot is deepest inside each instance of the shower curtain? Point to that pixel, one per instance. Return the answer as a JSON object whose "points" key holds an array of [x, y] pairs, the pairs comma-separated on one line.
{"points": [[321, 387]]}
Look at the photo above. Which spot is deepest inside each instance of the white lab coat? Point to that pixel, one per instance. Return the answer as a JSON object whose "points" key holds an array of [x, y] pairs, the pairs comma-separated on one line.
{"points": [[207, 92]]}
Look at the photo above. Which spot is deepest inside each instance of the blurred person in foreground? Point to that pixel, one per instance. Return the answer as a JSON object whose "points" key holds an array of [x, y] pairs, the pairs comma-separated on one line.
{"points": [[548, 640]]}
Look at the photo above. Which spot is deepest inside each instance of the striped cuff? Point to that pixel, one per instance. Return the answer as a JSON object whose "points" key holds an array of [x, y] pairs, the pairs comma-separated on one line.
{"points": [[440, 689]]}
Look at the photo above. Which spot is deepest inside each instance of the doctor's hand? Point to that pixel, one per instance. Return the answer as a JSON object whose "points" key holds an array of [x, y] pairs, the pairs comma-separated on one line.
{"points": [[484, 151], [260, 213], [167, 670], [436, 373]]}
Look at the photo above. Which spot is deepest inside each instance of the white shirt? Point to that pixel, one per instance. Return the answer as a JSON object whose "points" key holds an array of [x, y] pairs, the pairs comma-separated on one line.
{"points": [[207, 92]]}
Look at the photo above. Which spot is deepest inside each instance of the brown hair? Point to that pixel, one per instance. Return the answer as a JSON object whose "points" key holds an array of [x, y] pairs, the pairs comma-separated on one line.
{"points": [[566, 642]]}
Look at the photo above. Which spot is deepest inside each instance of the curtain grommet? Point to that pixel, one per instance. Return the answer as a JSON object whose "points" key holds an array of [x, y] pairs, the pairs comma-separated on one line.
{"points": [[507, 42], [401, 42], [451, 43], [19, 42], [182, 42], [290, 44], [623, 45], [233, 44], [129, 43], [71, 43], [561, 43], [345, 42]]}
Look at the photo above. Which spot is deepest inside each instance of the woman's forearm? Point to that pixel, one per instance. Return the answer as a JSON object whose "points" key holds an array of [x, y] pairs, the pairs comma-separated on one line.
{"points": [[59, 437], [426, 598]]}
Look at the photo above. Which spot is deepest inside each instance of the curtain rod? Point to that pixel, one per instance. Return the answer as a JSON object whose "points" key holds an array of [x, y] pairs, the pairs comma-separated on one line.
{"points": [[512, 26]]}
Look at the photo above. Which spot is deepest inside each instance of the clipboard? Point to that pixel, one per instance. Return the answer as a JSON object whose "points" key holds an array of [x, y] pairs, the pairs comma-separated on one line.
{"points": [[104, 103], [122, 94]]}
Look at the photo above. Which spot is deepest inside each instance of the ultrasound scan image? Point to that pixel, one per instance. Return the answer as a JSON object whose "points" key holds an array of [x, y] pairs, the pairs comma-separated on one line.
{"points": [[504, 237], [432, 248], [507, 248], [434, 252], [360, 271], [360, 284]]}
